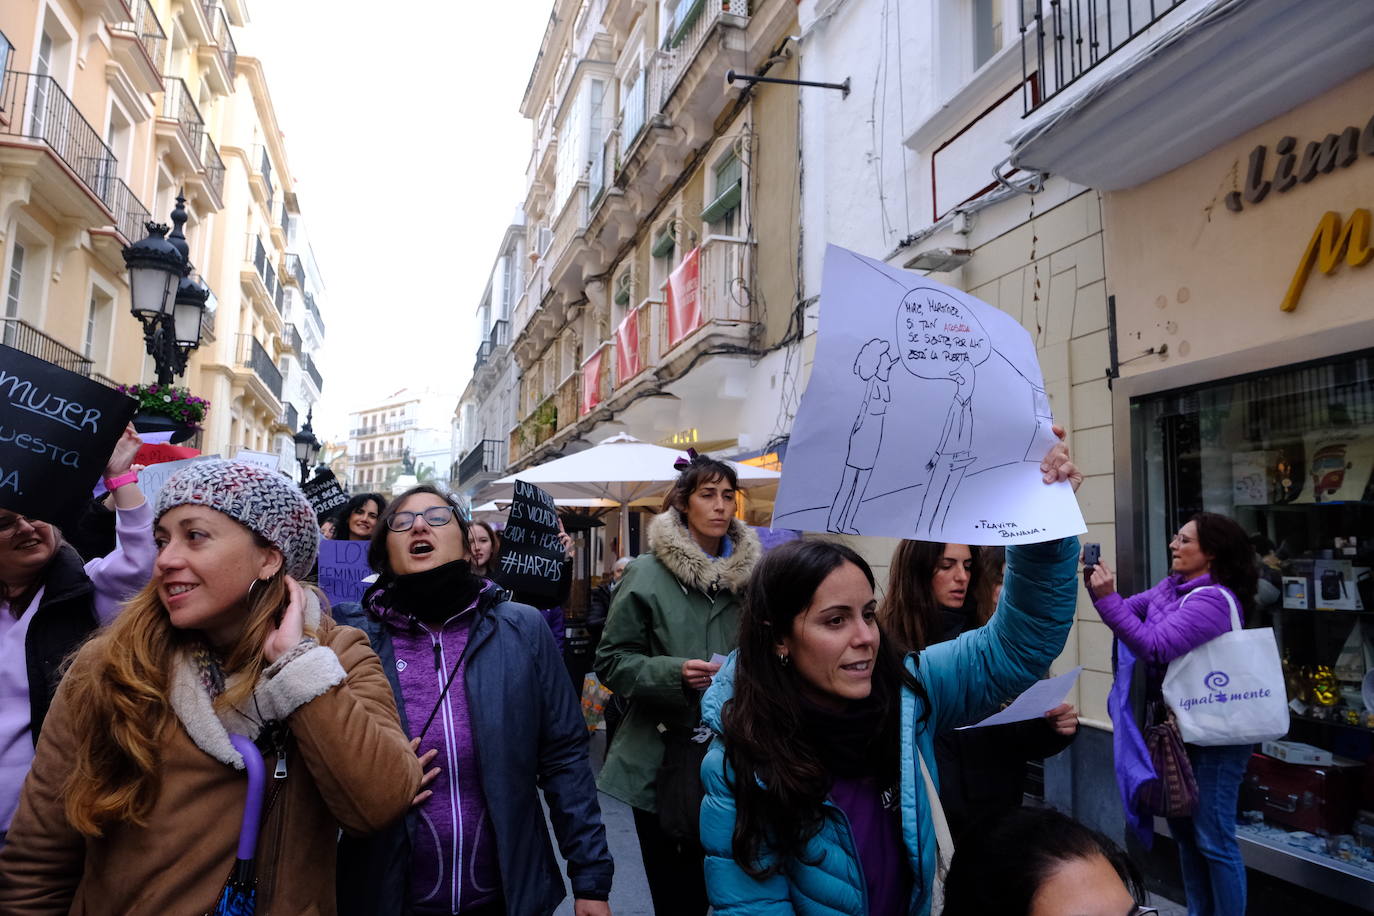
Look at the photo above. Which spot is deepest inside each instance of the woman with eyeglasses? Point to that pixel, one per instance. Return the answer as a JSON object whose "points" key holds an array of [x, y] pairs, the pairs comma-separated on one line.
{"points": [[1213, 567], [483, 694], [1038, 862], [50, 601]]}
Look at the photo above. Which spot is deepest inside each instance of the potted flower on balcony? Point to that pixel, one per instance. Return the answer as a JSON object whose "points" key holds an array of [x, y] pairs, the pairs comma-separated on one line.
{"points": [[162, 408]]}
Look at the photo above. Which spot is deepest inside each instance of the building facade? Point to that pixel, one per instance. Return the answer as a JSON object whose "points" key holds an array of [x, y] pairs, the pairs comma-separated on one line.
{"points": [[660, 290], [111, 110]]}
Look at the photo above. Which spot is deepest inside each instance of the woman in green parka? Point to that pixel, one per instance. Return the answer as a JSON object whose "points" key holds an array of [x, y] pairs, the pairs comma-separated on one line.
{"points": [[676, 607]]}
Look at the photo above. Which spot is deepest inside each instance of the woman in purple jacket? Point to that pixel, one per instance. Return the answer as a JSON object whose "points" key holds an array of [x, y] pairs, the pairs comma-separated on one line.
{"points": [[1211, 558], [50, 602]]}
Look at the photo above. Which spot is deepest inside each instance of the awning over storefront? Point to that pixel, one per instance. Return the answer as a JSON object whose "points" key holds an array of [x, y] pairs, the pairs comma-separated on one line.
{"points": [[1216, 74]]}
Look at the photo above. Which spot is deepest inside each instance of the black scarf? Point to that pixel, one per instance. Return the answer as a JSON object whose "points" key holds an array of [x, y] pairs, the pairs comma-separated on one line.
{"points": [[435, 594], [849, 743]]}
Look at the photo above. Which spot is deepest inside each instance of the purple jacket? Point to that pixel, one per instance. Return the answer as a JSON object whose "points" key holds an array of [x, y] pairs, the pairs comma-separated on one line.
{"points": [[1159, 627]]}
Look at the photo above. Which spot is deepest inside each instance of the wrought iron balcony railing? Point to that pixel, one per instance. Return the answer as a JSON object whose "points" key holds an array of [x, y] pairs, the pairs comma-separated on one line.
{"points": [[290, 418], [223, 38], [265, 169], [311, 371], [633, 116], [23, 336], [254, 357], [294, 269], [314, 312], [486, 457], [34, 106], [214, 167], [292, 338], [279, 299], [149, 30], [178, 105], [1070, 37], [130, 215]]}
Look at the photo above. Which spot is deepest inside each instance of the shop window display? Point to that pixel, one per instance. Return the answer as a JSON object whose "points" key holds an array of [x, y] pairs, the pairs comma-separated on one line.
{"points": [[1288, 454]]}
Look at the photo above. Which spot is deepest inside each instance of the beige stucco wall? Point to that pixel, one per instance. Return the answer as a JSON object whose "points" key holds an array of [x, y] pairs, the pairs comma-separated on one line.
{"points": [[1189, 273]]}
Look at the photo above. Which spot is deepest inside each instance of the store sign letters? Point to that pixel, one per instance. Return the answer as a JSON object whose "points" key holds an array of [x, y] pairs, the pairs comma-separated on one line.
{"points": [[1319, 157], [1332, 240]]}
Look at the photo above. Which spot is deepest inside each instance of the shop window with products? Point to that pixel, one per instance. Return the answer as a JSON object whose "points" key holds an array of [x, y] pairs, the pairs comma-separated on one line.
{"points": [[1289, 454]]}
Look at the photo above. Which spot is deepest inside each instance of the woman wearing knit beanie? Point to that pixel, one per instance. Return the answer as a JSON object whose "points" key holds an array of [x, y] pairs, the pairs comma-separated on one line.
{"points": [[482, 690], [134, 802]]}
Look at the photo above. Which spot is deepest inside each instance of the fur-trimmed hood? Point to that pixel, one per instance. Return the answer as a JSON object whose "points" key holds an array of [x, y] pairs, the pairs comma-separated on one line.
{"points": [[672, 544], [279, 692]]}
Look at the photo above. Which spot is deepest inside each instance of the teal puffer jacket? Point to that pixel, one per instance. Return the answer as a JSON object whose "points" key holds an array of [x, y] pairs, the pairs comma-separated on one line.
{"points": [[965, 679]]}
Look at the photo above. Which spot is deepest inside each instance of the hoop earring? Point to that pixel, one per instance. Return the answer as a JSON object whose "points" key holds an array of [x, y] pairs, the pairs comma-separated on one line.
{"points": [[254, 584]]}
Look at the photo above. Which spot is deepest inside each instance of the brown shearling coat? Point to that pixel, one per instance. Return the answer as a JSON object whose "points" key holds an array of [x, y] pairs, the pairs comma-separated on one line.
{"points": [[349, 766]]}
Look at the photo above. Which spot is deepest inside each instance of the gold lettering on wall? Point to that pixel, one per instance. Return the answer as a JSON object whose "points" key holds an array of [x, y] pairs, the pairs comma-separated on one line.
{"points": [[1332, 239]]}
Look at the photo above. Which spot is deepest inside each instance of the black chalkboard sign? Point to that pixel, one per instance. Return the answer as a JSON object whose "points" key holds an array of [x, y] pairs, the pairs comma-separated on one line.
{"points": [[531, 553], [325, 494], [57, 430]]}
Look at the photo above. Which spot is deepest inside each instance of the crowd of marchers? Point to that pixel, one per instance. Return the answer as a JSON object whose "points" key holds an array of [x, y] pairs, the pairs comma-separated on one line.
{"points": [[186, 726]]}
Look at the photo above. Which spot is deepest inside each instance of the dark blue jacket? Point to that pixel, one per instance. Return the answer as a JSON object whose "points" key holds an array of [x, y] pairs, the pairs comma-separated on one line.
{"points": [[529, 729]]}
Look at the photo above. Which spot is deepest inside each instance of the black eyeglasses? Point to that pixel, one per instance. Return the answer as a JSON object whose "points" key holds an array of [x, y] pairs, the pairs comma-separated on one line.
{"points": [[9, 526], [434, 516]]}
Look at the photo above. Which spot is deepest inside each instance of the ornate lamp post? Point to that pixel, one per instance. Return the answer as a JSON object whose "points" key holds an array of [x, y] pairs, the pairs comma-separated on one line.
{"points": [[307, 446], [165, 299]]}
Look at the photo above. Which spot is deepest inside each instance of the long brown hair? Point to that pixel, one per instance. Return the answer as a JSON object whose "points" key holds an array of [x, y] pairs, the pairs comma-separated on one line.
{"points": [[908, 612], [119, 701]]}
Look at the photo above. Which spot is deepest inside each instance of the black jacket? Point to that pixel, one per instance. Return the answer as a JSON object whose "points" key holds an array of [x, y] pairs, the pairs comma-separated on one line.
{"points": [[374, 872], [65, 617]]}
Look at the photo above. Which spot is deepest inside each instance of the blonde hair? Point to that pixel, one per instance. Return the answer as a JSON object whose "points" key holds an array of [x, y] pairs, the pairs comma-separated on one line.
{"points": [[119, 701]]}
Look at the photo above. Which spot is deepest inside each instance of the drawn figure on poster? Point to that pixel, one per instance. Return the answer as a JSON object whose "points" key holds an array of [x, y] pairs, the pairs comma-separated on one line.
{"points": [[874, 367], [954, 454]]}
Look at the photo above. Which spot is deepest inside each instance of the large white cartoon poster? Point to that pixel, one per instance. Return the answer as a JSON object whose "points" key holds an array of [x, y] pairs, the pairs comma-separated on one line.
{"points": [[925, 417]]}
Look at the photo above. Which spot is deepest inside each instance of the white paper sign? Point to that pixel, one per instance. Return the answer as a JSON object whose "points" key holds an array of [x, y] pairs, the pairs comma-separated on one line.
{"points": [[269, 460], [1039, 698], [926, 417], [152, 478]]}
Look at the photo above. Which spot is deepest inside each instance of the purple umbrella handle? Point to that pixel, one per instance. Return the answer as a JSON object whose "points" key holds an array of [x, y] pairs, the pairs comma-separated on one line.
{"points": [[252, 807]]}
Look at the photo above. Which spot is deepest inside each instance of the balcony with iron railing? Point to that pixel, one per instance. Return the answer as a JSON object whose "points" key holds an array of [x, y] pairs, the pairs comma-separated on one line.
{"points": [[314, 311], [1062, 41], [222, 37], [279, 299], [486, 457], [34, 107], [597, 377], [253, 357], [291, 339], [725, 313], [637, 344], [689, 41], [293, 269], [139, 45], [378, 429], [290, 418], [131, 216], [569, 395], [635, 113], [483, 354], [179, 106], [26, 338], [311, 371], [214, 168]]}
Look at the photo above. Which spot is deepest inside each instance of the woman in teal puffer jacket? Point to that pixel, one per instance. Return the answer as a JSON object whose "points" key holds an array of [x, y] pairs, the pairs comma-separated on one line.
{"points": [[841, 824]]}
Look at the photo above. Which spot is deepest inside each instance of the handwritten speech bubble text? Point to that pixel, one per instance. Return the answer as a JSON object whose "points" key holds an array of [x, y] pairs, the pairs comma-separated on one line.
{"points": [[937, 334]]}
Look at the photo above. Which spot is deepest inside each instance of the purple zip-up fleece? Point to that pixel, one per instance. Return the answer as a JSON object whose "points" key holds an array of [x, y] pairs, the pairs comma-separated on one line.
{"points": [[453, 862]]}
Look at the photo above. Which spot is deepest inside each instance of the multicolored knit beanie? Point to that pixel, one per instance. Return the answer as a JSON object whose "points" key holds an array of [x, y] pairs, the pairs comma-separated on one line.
{"points": [[260, 500]]}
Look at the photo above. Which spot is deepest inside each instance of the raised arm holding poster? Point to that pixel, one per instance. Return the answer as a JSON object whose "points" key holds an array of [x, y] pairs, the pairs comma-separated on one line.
{"points": [[531, 550], [57, 429], [946, 412]]}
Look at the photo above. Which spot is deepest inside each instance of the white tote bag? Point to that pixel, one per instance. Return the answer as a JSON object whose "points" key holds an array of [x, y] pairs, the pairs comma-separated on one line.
{"points": [[1229, 690]]}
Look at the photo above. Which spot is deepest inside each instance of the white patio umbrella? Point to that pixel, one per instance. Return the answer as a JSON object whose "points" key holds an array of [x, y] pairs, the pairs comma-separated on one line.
{"points": [[622, 469]]}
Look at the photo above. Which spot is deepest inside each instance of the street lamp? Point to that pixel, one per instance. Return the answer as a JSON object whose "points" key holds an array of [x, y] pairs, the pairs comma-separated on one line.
{"points": [[307, 446], [163, 296]]}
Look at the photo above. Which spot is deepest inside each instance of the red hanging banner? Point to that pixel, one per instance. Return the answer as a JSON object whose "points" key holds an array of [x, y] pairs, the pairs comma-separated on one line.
{"points": [[684, 298], [627, 364], [591, 383]]}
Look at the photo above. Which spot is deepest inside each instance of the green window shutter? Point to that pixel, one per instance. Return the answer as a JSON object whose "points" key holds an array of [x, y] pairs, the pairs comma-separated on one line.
{"points": [[663, 245], [726, 201], [684, 22]]}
